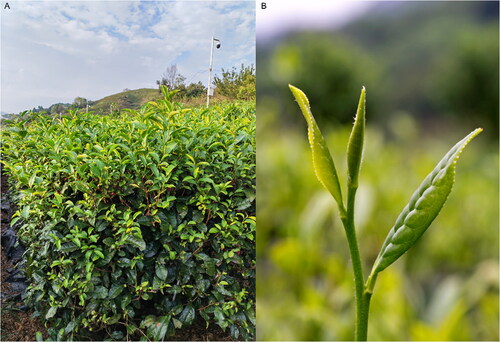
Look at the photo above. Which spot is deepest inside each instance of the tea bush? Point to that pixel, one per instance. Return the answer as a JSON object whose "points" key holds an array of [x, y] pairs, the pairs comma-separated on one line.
{"points": [[136, 224]]}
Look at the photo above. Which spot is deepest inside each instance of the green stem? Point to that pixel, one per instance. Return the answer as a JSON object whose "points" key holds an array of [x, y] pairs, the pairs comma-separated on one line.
{"points": [[362, 298], [362, 318]]}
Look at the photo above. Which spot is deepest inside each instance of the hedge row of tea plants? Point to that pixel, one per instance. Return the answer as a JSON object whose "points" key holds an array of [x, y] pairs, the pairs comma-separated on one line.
{"points": [[136, 224]]}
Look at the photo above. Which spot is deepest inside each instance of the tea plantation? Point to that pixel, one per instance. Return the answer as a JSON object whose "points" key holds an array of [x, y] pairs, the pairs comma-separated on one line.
{"points": [[137, 224]]}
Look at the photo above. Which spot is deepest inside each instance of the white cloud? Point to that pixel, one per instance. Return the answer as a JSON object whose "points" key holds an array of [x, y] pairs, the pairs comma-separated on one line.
{"points": [[54, 51]]}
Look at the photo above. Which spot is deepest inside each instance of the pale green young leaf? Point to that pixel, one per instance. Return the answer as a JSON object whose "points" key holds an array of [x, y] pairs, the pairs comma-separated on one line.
{"points": [[425, 204], [355, 144], [324, 168]]}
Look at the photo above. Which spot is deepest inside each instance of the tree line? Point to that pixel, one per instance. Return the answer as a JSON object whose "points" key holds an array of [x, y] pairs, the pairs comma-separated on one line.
{"points": [[238, 84]]}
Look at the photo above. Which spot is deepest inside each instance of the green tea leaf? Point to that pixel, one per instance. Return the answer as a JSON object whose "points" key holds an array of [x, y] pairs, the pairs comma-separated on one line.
{"points": [[210, 267], [187, 315], [355, 144], [177, 323], [155, 170], [99, 253], [161, 271], [116, 335], [100, 292], [425, 204], [69, 328], [125, 301], [219, 318], [95, 170], [131, 328], [115, 290], [25, 213], [136, 242], [155, 156], [158, 329], [51, 312], [323, 164], [148, 321]]}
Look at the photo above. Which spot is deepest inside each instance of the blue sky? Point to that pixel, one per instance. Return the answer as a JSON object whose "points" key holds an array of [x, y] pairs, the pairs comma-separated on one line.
{"points": [[54, 51]]}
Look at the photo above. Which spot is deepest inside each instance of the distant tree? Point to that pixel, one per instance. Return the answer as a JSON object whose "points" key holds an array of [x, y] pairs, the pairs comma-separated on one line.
{"points": [[195, 89], [192, 90], [237, 84], [171, 78], [57, 108], [79, 102], [38, 109]]}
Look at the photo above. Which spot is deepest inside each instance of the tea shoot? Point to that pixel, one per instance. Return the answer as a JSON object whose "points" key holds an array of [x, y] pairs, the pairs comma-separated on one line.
{"points": [[423, 207]]}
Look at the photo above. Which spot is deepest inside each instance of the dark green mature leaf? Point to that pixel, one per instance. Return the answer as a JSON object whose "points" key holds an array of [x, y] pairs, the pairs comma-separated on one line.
{"points": [[235, 332], [69, 328], [323, 164], [210, 267], [159, 328], [161, 271], [117, 335], [68, 247], [425, 204], [115, 290], [157, 283], [125, 301], [219, 318], [100, 292], [136, 242], [187, 315], [202, 284]]}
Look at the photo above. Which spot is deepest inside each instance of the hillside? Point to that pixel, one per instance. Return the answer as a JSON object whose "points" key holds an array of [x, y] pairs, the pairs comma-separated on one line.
{"points": [[132, 99]]}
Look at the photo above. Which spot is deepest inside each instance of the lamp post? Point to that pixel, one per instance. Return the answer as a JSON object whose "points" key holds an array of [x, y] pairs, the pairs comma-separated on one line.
{"points": [[210, 68]]}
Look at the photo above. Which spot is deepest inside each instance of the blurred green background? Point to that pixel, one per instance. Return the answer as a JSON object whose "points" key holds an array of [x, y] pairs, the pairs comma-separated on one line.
{"points": [[431, 73]]}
